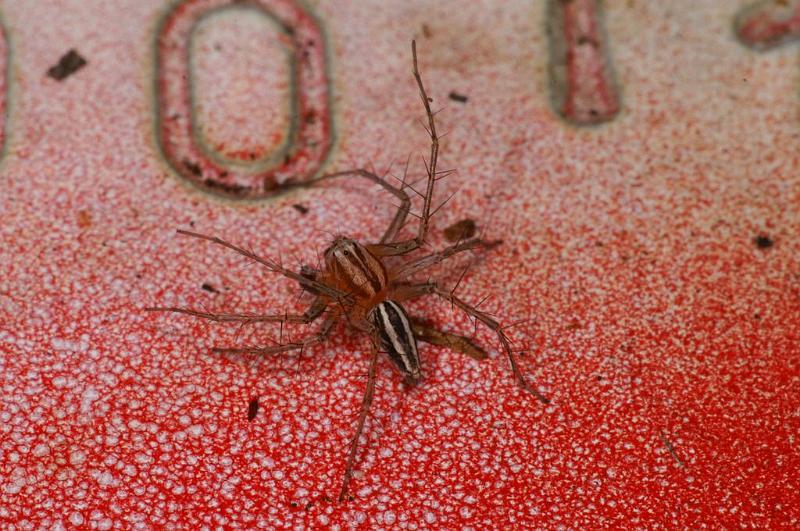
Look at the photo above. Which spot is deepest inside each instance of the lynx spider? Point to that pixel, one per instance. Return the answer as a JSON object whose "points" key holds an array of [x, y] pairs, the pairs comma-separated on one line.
{"points": [[356, 284]]}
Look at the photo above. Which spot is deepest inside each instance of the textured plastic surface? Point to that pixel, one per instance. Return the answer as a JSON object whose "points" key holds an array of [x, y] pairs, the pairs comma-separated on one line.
{"points": [[657, 255]]}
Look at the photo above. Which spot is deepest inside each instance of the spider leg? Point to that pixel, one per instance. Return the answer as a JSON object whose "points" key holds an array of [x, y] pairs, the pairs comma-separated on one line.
{"points": [[454, 342], [369, 393], [399, 193], [304, 343], [386, 246], [410, 291], [312, 285], [423, 262], [434, 154], [403, 247], [312, 313]]}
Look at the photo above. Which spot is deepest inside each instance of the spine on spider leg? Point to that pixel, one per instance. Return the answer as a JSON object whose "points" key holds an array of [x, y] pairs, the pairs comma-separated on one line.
{"points": [[396, 336]]}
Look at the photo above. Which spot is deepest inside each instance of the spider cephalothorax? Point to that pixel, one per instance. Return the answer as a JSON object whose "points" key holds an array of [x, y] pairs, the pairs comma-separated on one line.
{"points": [[353, 269], [357, 283]]}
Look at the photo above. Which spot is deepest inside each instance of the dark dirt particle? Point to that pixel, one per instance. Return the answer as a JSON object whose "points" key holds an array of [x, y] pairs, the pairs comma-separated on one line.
{"points": [[763, 241], [208, 287], [252, 408], [289, 30], [232, 189], [69, 63], [461, 230], [300, 208], [193, 167], [455, 96]]}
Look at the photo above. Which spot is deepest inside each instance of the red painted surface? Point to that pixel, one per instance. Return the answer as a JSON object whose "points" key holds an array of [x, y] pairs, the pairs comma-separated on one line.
{"points": [[306, 139], [769, 23], [583, 88], [4, 72], [657, 318]]}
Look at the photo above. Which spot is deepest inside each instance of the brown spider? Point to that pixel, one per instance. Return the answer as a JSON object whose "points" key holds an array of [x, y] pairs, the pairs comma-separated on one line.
{"points": [[355, 283]]}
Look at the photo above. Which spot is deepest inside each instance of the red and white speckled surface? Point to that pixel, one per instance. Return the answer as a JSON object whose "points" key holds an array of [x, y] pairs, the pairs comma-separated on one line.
{"points": [[658, 322]]}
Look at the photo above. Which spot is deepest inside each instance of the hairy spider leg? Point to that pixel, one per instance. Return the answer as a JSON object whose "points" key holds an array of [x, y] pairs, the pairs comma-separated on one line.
{"points": [[318, 287], [311, 314], [424, 333], [304, 343], [454, 342], [403, 247], [402, 211], [410, 291], [387, 246], [434, 154], [414, 266], [366, 402]]}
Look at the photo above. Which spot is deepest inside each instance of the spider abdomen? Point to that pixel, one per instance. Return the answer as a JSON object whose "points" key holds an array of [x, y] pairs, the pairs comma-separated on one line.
{"points": [[396, 337]]}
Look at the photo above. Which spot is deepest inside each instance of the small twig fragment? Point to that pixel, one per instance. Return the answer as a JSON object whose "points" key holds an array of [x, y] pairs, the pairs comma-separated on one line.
{"points": [[671, 449]]}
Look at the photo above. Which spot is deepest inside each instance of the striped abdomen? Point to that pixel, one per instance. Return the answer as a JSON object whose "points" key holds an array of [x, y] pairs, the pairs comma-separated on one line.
{"points": [[396, 336], [354, 269]]}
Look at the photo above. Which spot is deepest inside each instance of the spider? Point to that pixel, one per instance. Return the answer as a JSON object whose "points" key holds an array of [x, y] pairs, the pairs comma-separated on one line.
{"points": [[358, 283]]}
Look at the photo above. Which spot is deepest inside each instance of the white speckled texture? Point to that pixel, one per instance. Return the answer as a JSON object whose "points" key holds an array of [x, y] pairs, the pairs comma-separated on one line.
{"points": [[658, 323]]}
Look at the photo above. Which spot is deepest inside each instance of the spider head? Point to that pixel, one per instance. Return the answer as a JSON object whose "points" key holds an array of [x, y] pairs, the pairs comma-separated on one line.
{"points": [[341, 246], [344, 253]]}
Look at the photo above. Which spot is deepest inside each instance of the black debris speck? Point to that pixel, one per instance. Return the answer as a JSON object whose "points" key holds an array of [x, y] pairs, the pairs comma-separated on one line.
{"points": [[69, 63], [208, 287], [300, 208], [193, 167], [763, 241], [252, 408], [460, 98]]}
